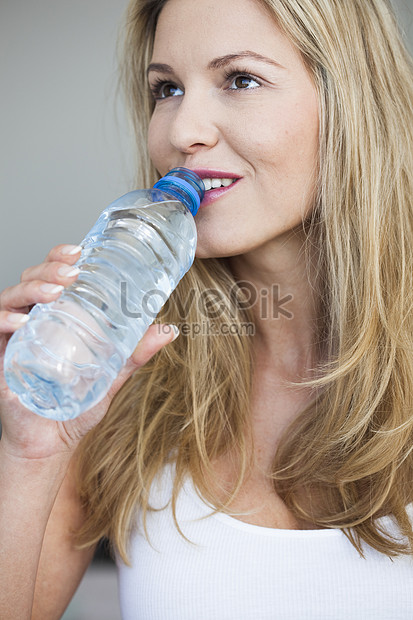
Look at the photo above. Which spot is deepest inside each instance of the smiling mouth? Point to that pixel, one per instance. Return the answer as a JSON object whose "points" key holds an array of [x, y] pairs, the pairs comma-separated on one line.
{"points": [[216, 188], [215, 183]]}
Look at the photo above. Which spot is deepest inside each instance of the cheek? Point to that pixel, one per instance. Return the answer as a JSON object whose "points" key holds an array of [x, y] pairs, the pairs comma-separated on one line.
{"points": [[152, 140], [286, 143], [157, 144]]}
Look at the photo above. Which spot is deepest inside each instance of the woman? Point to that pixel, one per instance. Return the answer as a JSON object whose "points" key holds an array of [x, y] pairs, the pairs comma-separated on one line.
{"points": [[246, 476]]}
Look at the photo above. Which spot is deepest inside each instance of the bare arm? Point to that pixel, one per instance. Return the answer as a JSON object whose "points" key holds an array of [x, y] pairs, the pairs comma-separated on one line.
{"points": [[61, 566], [39, 566]]}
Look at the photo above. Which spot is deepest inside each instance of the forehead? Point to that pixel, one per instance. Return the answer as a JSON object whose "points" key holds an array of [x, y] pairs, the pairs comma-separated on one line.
{"points": [[202, 29]]}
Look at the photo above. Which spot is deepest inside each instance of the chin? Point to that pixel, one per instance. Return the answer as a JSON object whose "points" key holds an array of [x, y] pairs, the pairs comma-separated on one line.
{"points": [[216, 254], [206, 254]]}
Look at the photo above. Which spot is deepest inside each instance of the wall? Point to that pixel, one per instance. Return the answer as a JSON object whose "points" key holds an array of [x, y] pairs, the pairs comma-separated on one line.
{"points": [[65, 146]]}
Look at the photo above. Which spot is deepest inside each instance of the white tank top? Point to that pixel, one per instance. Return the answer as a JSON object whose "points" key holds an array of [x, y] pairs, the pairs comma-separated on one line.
{"points": [[232, 570]]}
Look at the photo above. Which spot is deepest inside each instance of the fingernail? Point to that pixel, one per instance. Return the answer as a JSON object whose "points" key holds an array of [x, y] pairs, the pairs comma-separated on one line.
{"points": [[16, 317], [52, 289], [67, 271], [175, 330], [70, 249]]}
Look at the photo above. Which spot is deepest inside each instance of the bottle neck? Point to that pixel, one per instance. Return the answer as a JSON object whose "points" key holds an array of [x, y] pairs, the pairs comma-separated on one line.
{"points": [[182, 190]]}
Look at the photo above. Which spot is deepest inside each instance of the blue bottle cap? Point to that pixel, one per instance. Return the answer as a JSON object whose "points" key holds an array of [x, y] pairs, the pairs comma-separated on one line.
{"points": [[185, 185]]}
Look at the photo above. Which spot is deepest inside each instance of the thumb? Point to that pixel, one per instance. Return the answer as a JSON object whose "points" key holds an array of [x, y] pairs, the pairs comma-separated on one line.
{"points": [[155, 337]]}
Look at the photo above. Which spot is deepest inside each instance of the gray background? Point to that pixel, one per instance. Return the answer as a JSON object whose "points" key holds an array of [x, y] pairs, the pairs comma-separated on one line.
{"points": [[65, 147]]}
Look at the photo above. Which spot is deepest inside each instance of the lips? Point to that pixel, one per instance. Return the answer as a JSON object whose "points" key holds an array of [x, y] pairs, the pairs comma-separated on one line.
{"points": [[213, 194]]}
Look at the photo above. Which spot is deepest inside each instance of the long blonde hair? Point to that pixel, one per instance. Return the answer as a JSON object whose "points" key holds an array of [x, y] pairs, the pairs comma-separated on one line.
{"points": [[352, 446]]}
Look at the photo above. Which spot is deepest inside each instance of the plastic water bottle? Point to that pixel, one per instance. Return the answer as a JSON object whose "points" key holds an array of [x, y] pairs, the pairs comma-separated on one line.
{"points": [[65, 358]]}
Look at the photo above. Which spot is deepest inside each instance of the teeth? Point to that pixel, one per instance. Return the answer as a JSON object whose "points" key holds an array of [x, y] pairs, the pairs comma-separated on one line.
{"points": [[214, 183]]}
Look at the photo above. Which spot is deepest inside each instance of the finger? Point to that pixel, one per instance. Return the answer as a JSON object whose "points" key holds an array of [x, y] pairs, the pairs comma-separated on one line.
{"points": [[10, 321], [155, 338], [20, 297], [64, 252], [56, 271], [61, 254]]}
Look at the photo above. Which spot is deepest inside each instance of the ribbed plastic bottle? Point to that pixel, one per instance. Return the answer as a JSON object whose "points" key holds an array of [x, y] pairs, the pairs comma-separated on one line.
{"points": [[65, 358]]}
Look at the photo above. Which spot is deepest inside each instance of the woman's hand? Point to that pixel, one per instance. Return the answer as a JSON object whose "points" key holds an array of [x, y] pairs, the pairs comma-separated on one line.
{"points": [[25, 434]]}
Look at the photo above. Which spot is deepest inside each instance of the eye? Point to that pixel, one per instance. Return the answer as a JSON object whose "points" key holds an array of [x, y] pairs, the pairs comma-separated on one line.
{"points": [[163, 90], [242, 81]]}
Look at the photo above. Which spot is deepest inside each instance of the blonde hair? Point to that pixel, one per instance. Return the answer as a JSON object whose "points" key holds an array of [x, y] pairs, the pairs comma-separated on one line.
{"points": [[352, 446]]}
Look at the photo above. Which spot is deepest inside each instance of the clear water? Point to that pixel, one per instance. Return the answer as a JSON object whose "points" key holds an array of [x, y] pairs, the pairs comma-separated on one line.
{"points": [[65, 358]]}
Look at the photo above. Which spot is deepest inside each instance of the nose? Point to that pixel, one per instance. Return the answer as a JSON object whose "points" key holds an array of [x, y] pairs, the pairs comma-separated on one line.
{"points": [[194, 124]]}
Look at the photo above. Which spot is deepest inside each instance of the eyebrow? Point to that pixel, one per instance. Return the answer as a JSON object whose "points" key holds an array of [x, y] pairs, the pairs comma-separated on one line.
{"points": [[218, 63]]}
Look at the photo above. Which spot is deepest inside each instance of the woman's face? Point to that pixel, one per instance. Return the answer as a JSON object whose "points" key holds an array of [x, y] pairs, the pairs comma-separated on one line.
{"points": [[234, 100]]}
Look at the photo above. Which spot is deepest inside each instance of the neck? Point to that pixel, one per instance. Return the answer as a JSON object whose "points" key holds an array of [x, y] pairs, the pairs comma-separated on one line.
{"points": [[284, 305]]}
